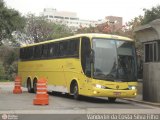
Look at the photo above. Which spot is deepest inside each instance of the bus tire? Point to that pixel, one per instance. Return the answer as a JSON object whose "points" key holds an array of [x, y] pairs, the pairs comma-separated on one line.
{"points": [[35, 85], [111, 99], [29, 87], [76, 91]]}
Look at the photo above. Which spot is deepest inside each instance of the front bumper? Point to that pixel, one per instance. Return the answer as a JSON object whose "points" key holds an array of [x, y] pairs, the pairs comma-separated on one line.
{"points": [[98, 92]]}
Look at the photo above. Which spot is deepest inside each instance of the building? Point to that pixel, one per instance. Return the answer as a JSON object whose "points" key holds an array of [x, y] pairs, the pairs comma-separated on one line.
{"points": [[117, 21], [73, 21], [114, 22], [68, 18], [149, 35]]}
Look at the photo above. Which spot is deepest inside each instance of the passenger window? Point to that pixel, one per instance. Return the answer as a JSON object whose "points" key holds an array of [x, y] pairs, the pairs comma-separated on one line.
{"points": [[56, 50], [67, 48], [50, 50], [45, 51], [29, 53], [22, 54], [63, 48], [73, 47], [38, 52]]}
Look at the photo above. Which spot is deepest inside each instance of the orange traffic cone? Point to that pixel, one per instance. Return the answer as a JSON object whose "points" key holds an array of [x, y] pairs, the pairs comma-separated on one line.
{"points": [[17, 86], [41, 94]]}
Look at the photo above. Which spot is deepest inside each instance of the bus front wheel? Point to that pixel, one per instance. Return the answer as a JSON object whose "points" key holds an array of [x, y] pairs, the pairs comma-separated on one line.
{"points": [[75, 91], [111, 99]]}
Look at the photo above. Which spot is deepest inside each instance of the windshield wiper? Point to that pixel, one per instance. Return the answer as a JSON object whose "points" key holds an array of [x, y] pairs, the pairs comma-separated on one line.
{"points": [[109, 76], [103, 76]]}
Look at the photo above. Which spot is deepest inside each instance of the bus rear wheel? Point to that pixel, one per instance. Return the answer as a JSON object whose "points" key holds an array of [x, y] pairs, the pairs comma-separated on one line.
{"points": [[29, 88], [111, 99], [35, 86], [75, 91]]}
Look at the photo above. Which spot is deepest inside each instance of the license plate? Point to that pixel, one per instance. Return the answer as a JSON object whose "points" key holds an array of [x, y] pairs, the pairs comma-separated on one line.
{"points": [[117, 93]]}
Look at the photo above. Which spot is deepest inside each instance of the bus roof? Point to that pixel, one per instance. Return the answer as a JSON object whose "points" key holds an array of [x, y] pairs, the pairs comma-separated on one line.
{"points": [[90, 35]]}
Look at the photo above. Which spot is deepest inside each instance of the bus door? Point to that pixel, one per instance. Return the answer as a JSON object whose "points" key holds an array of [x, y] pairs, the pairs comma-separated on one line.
{"points": [[86, 63]]}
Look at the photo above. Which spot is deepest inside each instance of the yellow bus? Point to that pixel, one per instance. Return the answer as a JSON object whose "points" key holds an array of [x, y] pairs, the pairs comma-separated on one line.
{"points": [[90, 64]]}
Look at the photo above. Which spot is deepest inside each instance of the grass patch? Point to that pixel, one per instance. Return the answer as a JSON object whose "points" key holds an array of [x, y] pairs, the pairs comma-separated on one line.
{"points": [[5, 80]]}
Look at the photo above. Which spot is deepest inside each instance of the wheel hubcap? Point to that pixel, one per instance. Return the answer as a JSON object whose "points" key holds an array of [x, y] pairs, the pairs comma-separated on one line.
{"points": [[75, 90]]}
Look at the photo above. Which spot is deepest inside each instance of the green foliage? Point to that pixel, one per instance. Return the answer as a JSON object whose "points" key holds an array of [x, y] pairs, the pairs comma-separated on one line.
{"points": [[131, 25], [2, 72], [60, 30], [41, 29], [4, 80], [151, 14], [12, 71], [100, 28], [10, 20], [9, 57]]}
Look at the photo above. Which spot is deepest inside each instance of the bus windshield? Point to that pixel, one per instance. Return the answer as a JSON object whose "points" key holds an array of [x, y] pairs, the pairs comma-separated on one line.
{"points": [[114, 60]]}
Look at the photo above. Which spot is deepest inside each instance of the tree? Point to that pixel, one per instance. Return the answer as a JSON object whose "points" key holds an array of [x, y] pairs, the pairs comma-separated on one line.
{"points": [[61, 30], [100, 28], [128, 31], [1, 71], [89, 29], [106, 28], [9, 58], [151, 14], [130, 26], [39, 29], [10, 20]]}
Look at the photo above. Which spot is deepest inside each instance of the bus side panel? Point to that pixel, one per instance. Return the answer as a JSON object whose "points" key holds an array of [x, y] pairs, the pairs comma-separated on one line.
{"points": [[73, 71], [58, 72], [52, 70]]}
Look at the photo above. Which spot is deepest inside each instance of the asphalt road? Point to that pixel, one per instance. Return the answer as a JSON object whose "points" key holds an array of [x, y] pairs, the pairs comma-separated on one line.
{"points": [[65, 104]]}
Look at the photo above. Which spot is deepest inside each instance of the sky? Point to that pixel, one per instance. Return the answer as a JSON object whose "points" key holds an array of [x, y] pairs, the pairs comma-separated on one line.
{"points": [[86, 9]]}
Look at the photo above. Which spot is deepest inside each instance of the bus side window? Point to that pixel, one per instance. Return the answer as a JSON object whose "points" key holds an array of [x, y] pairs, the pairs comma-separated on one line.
{"points": [[29, 53], [63, 48], [73, 48], [76, 47], [85, 54], [56, 50], [26, 53], [50, 50], [38, 52], [21, 55], [35, 52], [44, 51]]}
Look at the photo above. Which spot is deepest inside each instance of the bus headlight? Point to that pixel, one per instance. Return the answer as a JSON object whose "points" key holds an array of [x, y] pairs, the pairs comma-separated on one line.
{"points": [[132, 87], [100, 86]]}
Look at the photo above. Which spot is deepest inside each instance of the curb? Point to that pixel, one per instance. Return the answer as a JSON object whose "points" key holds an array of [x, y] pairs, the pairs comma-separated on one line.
{"points": [[143, 102]]}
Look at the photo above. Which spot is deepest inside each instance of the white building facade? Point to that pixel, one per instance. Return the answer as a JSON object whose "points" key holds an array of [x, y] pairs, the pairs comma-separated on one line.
{"points": [[68, 18]]}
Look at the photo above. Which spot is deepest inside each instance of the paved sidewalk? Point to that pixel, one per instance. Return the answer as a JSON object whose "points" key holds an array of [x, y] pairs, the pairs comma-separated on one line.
{"points": [[139, 99]]}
